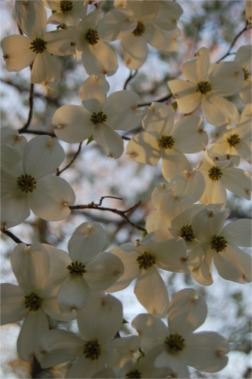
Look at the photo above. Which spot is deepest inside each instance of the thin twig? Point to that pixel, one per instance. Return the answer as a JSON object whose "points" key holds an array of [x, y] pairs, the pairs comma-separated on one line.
{"points": [[161, 100], [26, 125], [12, 236], [130, 77], [39, 132], [246, 27], [124, 214], [71, 161]]}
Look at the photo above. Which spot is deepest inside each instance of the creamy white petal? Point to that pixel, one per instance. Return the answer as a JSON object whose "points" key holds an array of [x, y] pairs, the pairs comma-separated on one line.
{"points": [[197, 70], [73, 293], [173, 162], [109, 140], [219, 111], [12, 303], [72, 123], [190, 183], [236, 181], [101, 318], [34, 326], [17, 53], [94, 87], [185, 94], [42, 156], [58, 346], [143, 148], [86, 242], [31, 17], [52, 198], [103, 271], [233, 264], [45, 68], [206, 351], [226, 78], [30, 265], [135, 51], [171, 255], [238, 232], [151, 292], [187, 311], [14, 209], [100, 59], [85, 367]]}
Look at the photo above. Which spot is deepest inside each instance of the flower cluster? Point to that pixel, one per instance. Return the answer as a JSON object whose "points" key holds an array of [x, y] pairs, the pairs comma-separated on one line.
{"points": [[201, 133]]}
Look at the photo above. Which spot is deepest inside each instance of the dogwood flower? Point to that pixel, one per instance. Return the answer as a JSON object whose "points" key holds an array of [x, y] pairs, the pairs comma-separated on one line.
{"points": [[27, 182], [66, 13], [243, 56], [166, 140], [85, 269], [220, 244], [96, 347], [237, 140], [178, 346], [33, 299], [38, 48], [151, 23], [141, 262], [98, 119], [207, 85], [220, 174]]}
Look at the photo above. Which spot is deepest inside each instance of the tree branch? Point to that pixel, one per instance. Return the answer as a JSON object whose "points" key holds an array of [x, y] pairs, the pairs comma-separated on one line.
{"points": [[71, 161], [13, 236], [30, 114], [130, 77]]}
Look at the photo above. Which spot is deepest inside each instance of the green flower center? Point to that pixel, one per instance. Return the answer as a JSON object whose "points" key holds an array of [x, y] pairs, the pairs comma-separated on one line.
{"points": [[98, 118], [233, 140], [134, 374], [174, 343], [166, 142], [66, 6], [38, 45], [76, 268], [92, 36], [214, 173], [139, 30], [218, 243], [92, 350], [146, 260], [204, 87], [26, 183], [33, 302], [186, 232], [246, 73]]}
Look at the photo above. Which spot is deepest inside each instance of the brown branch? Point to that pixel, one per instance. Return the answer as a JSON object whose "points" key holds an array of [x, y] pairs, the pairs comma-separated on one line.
{"points": [[12, 236], [39, 132], [130, 77], [123, 214], [246, 27], [30, 114], [161, 100], [71, 161]]}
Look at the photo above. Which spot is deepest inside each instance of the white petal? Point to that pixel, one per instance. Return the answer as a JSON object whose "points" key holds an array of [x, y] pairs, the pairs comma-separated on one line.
{"points": [[143, 148], [100, 59], [87, 241], [34, 326], [151, 292], [226, 78], [173, 162], [73, 293], [238, 232], [171, 255], [109, 140], [12, 303], [185, 94], [31, 17], [42, 156], [14, 209], [58, 346], [30, 265], [94, 87], [135, 51], [52, 198], [45, 68], [72, 123], [103, 271], [187, 311], [219, 111], [17, 52], [237, 182], [100, 310], [206, 351], [233, 264], [197, 70]]}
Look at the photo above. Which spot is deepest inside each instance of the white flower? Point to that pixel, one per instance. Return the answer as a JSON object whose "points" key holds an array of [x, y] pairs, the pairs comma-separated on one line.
{"points": [[177, 345], [98, 119], [207, 85], [66, 13], [220, 174], [220, 244], [244, 57], [85, 269], [152, 22], [33, 299], [27, 182], [38, 48], [141, 262], [166, 140], [96, 347]]}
